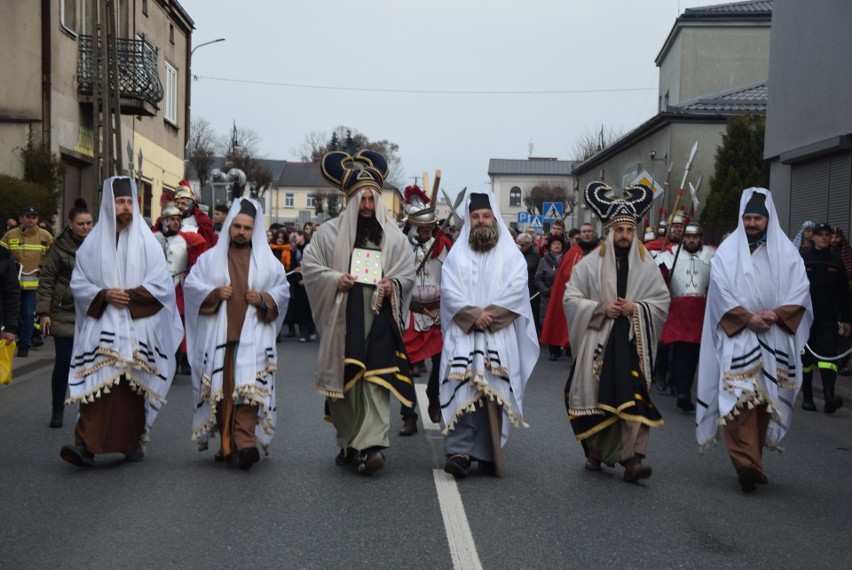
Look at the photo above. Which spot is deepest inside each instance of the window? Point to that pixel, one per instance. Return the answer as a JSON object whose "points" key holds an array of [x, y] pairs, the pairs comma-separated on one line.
{"points": [[145, 7], [172, 33], [312, 203], [289, 200], [170, 99], [515, 196], [68, 16]]}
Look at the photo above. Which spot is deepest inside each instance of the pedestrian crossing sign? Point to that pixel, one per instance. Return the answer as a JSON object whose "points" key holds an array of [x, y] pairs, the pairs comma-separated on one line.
{"points": [[552, 211], [535, 223]]}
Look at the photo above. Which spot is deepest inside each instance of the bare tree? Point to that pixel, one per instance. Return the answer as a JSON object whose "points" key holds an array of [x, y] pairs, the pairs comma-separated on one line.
{"points": [[350, 140], [241, 151], [591, 142], [203, 146], [548, 191]]}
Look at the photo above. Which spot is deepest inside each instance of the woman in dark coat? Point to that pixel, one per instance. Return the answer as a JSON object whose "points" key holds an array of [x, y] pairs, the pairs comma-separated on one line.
{"points": [[544, 277], [298, 296], [55, 304]]}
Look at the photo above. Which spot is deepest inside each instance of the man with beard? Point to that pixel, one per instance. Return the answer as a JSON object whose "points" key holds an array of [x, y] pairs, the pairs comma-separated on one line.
{"points": [[755, 326], [423, 336], [830, 298], [236, 298], [615, 304], [192, 218], [490, 345], [126, 333], [181, 249], [688, 274], [554, 330], [358, 275]]}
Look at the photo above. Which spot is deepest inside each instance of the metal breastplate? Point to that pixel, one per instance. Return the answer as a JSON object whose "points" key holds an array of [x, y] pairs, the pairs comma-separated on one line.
{"points": [[188, 224], [691, 276], [177, 257], [430, 275]]}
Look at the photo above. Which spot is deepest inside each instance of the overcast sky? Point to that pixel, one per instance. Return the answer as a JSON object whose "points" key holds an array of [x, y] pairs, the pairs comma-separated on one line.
{"points": [[389, 69]]}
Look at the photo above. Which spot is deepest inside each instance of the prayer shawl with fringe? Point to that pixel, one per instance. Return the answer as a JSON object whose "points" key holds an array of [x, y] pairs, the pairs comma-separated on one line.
{"points": [[592, 283], [256, 357], [325, 260], [105, 348], [752, 369], [485, 364]]}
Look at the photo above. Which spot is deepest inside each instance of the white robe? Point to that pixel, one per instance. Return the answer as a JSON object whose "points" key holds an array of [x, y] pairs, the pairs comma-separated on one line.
{"points": [[752, 369], [476, 365], [256, 358], [105, 348]]}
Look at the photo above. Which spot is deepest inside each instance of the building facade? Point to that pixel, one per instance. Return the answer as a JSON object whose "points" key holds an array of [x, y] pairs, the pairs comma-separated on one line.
{"points": [[51, 87], [512, 180], [713, 65], [809, 118]]}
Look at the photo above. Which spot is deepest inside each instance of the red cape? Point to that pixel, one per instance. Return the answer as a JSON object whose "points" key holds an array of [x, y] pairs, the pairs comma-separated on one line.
{"points": [[554, 330]]}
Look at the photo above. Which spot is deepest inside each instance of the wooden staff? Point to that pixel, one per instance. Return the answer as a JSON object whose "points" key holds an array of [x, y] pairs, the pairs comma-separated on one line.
{"points": [[495, 421]]}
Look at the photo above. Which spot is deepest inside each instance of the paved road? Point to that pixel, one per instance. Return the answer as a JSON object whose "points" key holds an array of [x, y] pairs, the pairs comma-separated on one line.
{"points": [[297, 509]]}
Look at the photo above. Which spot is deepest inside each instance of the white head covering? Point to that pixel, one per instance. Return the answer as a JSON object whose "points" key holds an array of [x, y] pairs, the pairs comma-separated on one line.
{"points": [[142, 349]]}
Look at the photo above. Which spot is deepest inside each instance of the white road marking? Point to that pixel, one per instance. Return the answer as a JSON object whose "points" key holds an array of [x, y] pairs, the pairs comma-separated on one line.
{"points": [[423, 404], [462, 547]]}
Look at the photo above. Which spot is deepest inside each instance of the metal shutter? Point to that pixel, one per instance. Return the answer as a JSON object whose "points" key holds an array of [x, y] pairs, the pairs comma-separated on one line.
{"points": [[808, 192], [838, 190]]}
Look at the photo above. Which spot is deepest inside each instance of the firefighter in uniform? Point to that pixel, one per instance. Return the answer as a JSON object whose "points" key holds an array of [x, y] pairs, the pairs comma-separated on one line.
{"points": [[182, 249], [422, 338], [28, 245], [830, 298], [688, 281]]}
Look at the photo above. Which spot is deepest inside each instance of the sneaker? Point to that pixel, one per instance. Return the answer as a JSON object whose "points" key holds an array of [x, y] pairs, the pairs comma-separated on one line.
{"points": [[303, 339], [313, 336], [136, 456], [409, 426], [77, 455], [634, 471], [56, 419], [370, 462], [23, 352], [748, 478], [345, 456], [248, 457], [457, 465]]}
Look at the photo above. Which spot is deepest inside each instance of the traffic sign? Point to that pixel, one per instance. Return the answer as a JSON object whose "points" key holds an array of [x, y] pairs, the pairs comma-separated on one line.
{"points": [[552, 211], [523, 217], [535, 223]]}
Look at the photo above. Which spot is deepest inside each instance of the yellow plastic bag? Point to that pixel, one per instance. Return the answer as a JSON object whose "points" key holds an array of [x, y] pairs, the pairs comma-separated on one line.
{"points": [[7, 351]]}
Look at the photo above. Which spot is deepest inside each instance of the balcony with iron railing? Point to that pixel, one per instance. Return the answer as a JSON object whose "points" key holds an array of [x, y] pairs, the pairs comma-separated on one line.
{"points": [[138, 81]]}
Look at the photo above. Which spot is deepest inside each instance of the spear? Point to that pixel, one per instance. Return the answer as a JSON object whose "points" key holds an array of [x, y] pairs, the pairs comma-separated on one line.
{"points": [[446, 223], [692, 154]]}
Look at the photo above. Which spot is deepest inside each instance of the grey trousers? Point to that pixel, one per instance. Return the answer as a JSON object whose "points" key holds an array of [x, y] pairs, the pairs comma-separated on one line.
{"points": [[471, 436]]}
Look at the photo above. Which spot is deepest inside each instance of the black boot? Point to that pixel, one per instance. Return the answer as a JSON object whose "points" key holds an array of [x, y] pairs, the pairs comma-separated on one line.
{"points": [[832, 402], [808, 394]]}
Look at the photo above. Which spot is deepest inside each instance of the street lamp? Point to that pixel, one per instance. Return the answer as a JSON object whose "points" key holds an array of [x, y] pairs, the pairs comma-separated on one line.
{"points": [[188, 112], [206, 44]]}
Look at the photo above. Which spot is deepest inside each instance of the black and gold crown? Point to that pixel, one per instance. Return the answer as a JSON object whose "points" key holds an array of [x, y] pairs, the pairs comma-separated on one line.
{"points": [[613, 211], [352, 173]]}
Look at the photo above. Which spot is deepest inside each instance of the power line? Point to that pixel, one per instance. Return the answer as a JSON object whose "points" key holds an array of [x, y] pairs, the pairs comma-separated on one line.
{"points": [[421, 91]]}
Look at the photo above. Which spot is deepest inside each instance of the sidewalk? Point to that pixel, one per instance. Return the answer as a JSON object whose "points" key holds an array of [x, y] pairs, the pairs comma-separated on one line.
{"points": [[38, 358]]}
